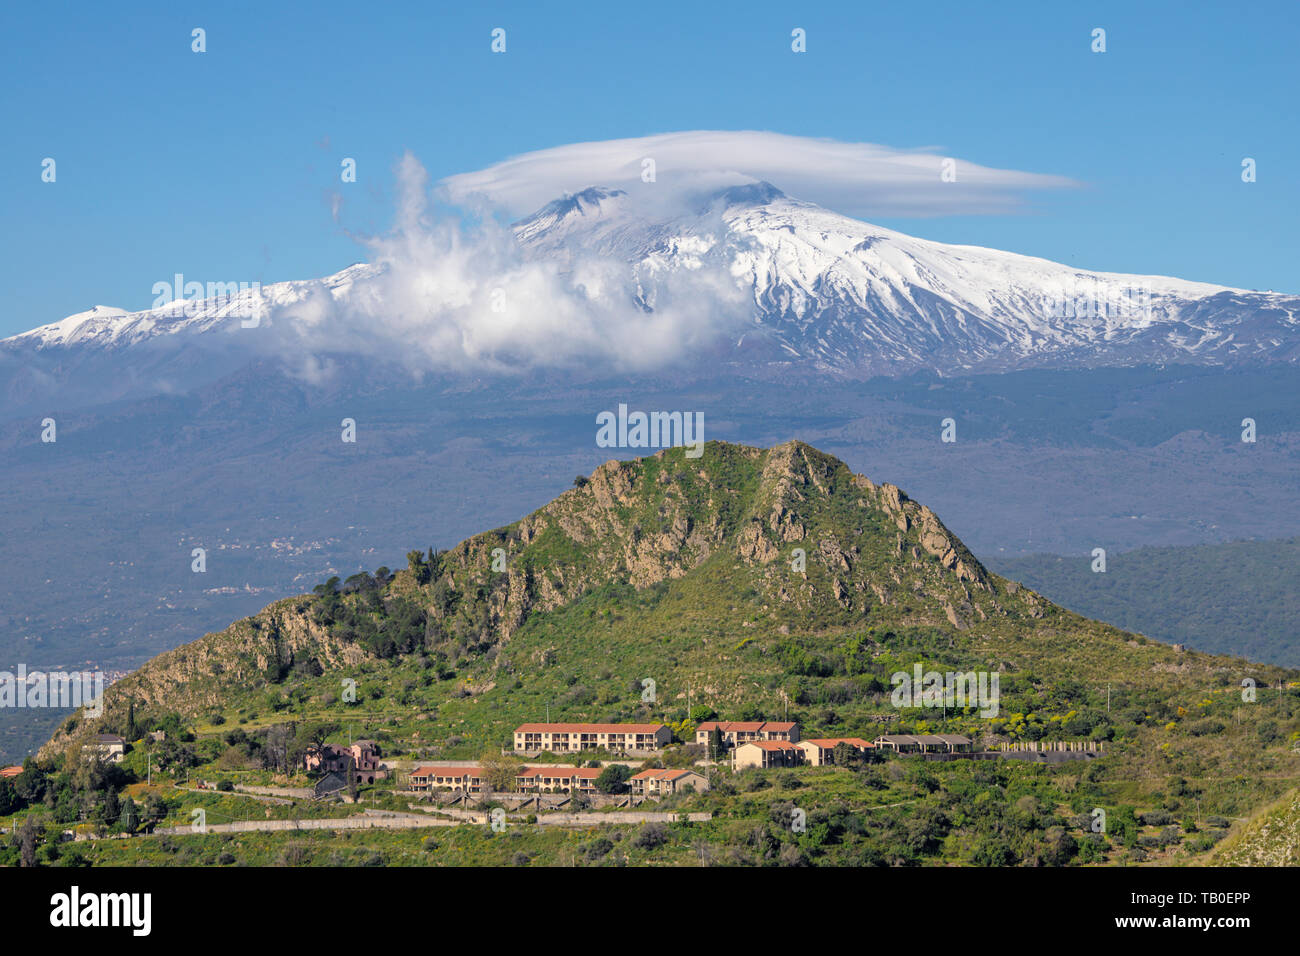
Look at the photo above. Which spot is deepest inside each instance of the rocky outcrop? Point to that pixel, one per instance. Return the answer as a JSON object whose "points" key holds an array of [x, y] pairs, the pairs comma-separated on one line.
{"points": [[814, 536]]}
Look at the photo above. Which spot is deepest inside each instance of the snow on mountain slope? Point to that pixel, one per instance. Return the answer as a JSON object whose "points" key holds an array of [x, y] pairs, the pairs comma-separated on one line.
{"points": [[104, 326], [827, 291], [848, 295]]}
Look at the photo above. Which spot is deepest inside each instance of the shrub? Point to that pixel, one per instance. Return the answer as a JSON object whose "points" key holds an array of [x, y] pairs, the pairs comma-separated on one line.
{"points": [[1156, 818], [650, 835]]}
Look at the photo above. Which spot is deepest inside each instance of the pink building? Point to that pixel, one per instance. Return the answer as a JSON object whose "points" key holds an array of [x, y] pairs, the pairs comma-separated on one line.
{"points": [[362, 758]]}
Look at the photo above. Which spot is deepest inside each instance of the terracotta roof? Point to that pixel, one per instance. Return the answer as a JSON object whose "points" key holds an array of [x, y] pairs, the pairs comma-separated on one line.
{"points": [[662, 774], [746, 726], [771, 744], [588, 728], [10, 771], [587, 773], [832, 742], [454, 772]]}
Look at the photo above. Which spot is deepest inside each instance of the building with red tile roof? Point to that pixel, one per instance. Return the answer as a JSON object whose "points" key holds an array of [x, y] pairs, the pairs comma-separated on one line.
{"points": [[557, 779], [736, 732], [821, 750], [767, 753], [570, 738], [657, 783]]}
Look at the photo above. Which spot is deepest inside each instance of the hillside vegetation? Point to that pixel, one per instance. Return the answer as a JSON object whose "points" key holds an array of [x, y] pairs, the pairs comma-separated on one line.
{"points": [[747, 583]]}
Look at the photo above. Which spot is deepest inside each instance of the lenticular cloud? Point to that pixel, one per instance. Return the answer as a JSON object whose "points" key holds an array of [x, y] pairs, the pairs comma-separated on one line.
{"points": [[858, 179]]}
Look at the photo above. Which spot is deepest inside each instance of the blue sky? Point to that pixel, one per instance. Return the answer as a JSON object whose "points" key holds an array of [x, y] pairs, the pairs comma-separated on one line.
{"points": [[221, 165]]}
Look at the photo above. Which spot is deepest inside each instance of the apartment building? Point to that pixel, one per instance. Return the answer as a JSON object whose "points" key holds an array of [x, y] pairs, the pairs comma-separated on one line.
{"points": [[558, 779], [658, 783], [572, 738], [767, 753], [469, 779], [820, 751], [736, 732]]}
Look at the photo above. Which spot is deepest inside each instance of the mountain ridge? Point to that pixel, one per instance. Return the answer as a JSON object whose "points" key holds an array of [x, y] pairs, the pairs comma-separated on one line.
{"points": [[655, 540], [831, 292]]}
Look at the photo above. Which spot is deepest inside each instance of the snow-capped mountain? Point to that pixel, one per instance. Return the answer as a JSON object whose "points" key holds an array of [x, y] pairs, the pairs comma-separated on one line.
{"points": [[847, 295], [107, 327], [823, 290]]}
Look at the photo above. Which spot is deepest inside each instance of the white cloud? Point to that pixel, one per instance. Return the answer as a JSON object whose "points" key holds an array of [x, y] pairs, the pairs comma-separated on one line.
{"points": [[462, 296], [451, 297], [858, 179]]}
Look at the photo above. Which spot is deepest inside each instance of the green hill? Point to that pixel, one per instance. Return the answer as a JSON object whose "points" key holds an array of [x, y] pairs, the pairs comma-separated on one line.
{"points": [[679, 570], [747, 583]]}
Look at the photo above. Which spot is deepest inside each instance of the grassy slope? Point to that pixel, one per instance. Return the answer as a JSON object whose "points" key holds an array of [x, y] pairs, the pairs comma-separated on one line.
{"points": [[679, 570]]}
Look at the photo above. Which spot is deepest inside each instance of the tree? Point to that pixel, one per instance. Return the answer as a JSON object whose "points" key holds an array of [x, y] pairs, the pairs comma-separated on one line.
{"points": [[613, 779], [154, 812], [31, 784], [715, 743], [128, 820], [354, 783], [846, 755], [318, 735], [9, 799], [29, 837], [111, 809], [419, 567], [499, 770], [993, 852], [279, 745]]}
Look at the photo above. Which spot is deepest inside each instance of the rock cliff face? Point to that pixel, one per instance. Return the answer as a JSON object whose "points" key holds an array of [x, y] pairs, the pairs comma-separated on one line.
{"points": [[813, 541], [256, 649], [659, 518]]}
